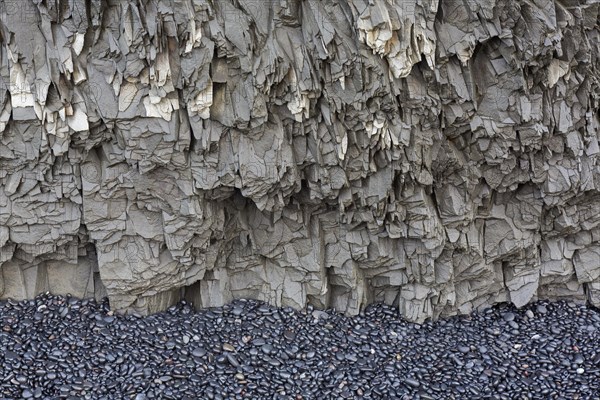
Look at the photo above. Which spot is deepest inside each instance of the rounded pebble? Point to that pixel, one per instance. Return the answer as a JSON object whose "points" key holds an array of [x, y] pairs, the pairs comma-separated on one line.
{"points": [[251, 350]]}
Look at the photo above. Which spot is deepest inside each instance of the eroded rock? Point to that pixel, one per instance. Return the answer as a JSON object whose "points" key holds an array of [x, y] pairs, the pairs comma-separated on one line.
{"points": [[434, 154]]}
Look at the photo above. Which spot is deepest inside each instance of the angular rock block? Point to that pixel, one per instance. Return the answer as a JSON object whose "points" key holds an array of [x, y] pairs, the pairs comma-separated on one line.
{"points": [[438, 155]]}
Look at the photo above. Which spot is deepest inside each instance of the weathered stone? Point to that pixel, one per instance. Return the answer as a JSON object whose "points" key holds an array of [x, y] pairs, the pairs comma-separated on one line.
{"points": [[433, 154]]}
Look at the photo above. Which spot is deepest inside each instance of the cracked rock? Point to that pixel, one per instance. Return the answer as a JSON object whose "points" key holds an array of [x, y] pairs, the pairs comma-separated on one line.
{"points": [[437, 155]]}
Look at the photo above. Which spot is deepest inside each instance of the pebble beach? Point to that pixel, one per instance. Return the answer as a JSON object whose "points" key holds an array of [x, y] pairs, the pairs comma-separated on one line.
{"points": [[57, 347]]}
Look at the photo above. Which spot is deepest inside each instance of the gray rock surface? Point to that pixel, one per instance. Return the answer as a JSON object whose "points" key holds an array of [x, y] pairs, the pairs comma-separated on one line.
{"points": [[439, 155]]}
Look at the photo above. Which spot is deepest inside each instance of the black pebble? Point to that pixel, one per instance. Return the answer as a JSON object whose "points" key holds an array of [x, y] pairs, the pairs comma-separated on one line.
{"points": [[54, 347]]}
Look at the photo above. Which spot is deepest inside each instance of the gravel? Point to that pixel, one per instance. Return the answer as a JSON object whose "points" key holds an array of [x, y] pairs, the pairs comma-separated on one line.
{"points": [[60, 347]]}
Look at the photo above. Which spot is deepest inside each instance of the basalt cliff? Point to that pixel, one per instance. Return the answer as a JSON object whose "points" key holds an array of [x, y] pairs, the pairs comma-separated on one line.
{"points": [[439, 155]]}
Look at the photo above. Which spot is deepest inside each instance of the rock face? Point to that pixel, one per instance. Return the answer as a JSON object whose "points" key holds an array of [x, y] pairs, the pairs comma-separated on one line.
{"points": [[438, 155]]}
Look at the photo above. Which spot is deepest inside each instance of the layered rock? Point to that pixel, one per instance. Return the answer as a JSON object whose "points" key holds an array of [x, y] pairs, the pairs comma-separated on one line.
{"points": [[437, 155]]}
